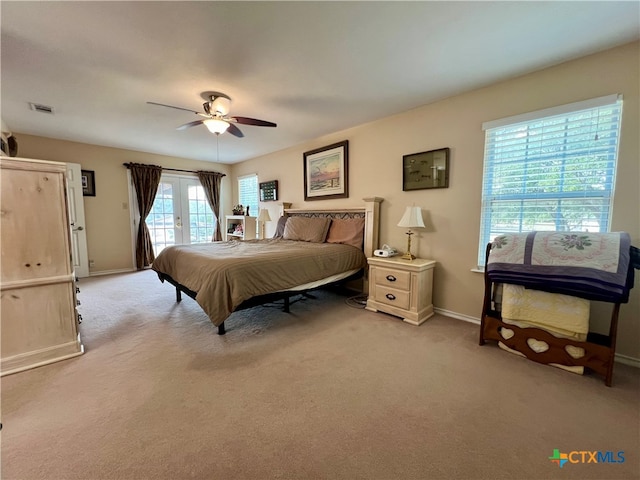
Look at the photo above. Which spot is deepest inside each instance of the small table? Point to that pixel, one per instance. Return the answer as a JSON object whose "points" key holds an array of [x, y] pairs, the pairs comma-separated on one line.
{"points": [[400, 287]]}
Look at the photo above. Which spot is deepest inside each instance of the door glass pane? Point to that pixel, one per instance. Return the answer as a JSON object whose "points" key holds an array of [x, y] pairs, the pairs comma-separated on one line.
{"points": [[160, 220], [201, 219], [180, 214]]}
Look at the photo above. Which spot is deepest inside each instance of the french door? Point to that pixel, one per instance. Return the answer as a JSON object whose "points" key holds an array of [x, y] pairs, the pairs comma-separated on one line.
{"points": [[180, 213]]}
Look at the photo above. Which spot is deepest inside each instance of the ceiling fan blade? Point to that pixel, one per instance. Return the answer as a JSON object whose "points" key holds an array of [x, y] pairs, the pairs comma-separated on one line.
{"points": [[235, 131], [253, 121], [190, 124], [177, 108]]}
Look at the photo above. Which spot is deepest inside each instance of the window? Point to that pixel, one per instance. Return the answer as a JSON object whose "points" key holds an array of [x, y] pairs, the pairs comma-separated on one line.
{"points": [[248, 193], [180, 213], [550, 170]]}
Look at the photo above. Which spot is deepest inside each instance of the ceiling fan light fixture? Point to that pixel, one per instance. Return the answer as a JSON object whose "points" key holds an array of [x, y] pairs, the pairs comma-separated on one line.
{"points": [[216, 126], [220, 105]]}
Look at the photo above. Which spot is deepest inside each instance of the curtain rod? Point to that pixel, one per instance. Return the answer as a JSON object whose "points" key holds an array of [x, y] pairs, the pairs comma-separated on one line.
{"points": [[128, 165]]}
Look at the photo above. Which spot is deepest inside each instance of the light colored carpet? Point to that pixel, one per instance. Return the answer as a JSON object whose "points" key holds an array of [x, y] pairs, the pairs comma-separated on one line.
{"points": [[328, 391]]}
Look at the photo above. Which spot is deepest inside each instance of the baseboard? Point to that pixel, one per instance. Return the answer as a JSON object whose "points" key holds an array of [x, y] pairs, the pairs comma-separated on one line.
{"points": [[627, 360], [624, 359], [111, 272], [459, 316]]}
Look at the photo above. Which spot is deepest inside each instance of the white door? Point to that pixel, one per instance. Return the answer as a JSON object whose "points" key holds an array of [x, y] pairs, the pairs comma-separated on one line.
{"points": [[180, 213], [79, 253]]}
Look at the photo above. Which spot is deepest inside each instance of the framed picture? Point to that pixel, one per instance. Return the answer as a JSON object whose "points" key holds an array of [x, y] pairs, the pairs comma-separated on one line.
{"points": [[326, 172], [268, 191], [425, 170], [88, 183]]}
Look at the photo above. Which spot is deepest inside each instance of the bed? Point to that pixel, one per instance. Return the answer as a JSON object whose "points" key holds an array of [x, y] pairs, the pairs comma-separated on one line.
{"points": [[311, 248], [582, 266]]}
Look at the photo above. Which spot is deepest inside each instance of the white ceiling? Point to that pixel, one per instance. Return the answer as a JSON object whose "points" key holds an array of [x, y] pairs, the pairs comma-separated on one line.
{"points": [[312, 67]]}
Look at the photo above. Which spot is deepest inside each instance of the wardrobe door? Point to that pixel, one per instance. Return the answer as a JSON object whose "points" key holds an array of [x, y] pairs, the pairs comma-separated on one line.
{"points": [[38, 303]]}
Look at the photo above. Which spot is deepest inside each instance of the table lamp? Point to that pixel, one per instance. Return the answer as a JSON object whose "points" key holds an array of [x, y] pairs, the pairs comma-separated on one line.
{"points": [[412, 218], [263, 217]]}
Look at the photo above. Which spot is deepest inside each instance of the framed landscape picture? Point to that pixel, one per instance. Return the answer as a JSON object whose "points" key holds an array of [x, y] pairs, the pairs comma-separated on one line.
{"points": [[326, 172]]}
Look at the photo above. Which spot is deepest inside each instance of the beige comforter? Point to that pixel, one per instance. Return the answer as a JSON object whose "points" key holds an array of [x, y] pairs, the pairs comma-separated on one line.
{"points": [[225, 274]]}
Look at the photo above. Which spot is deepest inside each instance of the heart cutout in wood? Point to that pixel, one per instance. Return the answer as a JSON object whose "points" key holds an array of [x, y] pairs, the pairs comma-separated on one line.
{"points": [[537, 346]]}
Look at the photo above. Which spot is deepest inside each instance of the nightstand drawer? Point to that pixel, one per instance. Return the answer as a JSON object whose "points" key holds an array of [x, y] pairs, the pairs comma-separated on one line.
{"points": [[393, 278], [393, 297]]}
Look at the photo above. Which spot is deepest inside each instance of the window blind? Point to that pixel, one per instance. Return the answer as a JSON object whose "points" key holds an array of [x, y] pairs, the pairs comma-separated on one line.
{"points": [[550, 172], [248, 193]]}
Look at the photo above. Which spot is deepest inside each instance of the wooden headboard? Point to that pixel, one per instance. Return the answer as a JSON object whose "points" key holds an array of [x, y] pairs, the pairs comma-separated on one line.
{"points": [[370, 212]]}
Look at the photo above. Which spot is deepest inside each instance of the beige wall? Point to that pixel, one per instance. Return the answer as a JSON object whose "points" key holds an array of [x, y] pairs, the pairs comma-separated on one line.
{"points": [[107, 214], [375, 169], [453, 214]]}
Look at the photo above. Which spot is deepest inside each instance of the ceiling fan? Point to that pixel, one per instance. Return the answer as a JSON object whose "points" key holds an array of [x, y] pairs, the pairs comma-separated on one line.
{"points": [[216, 115]]}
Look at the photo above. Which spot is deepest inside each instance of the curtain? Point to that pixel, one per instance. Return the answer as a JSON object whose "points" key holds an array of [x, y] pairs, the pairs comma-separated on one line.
{"points": [[211, 183], [146, 179]]}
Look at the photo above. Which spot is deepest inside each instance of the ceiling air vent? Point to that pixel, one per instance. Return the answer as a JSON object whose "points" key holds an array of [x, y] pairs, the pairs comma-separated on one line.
{"points": [[37, 107]]}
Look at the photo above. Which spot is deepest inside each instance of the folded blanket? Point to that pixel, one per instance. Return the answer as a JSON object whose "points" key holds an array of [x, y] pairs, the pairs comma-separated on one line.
{"points": [[563, 316], [595, 266], [560, 315]]}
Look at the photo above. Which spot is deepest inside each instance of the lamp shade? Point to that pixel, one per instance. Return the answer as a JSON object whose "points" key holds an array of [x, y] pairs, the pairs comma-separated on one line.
{"points": [[263, 216], [216, 126], [412, 218]]}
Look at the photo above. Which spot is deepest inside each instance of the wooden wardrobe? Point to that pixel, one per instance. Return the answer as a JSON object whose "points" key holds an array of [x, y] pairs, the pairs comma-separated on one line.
{"points": [[38, 316]]}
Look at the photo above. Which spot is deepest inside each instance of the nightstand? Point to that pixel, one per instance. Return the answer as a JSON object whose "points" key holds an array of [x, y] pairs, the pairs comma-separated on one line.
{"points": [[400, 287]]}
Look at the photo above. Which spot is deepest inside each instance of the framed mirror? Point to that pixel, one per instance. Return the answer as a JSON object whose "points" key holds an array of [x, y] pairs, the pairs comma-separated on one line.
{"points": [[425, 170]]}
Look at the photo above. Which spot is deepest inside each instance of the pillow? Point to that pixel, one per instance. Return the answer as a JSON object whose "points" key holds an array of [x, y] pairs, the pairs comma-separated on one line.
{"points": [[349, 231], [280, 227], [306, 229]]}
